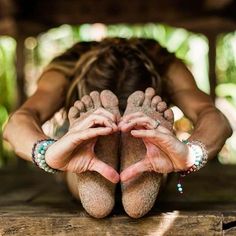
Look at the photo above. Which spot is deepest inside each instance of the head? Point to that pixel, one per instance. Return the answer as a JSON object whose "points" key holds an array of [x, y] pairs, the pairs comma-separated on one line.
{"points": [[119, 65]]}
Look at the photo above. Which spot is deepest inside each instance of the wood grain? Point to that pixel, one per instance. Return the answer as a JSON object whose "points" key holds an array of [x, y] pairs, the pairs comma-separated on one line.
{"points": [[35, 203]]}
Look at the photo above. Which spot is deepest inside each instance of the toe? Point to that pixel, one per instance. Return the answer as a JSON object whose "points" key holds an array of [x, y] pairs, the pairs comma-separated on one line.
{"points": [[88, 102], [155, 101], [161, 106], [80, 106], [109, 99], [169, 115], [73, 114], [96, 99], [149, 93], [136, 99]]}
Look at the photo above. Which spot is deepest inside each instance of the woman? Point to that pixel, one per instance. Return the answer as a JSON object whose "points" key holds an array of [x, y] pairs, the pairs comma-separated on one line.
{"points": [[113, 122]]}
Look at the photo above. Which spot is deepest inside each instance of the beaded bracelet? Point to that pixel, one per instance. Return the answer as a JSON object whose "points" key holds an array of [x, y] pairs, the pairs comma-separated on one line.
{"points": [[38, 154], [201, 157]]}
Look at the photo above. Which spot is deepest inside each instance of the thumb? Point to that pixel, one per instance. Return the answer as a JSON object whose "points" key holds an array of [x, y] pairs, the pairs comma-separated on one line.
{"points": [[105, 170], [135, 170]]}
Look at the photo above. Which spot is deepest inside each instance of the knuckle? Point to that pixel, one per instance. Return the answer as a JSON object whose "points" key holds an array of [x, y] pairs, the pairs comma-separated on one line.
{"points": [[113, 116], [94, 116], [140, 113], [99, 110]]}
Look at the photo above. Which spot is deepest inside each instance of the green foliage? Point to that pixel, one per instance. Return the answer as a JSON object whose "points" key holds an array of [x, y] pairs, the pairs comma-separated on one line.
{"points": [[191, 48], [226, 67], [226, 58], [7, 86]]}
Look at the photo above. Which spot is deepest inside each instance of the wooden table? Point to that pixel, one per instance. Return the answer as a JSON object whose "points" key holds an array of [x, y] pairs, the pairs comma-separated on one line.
{"points": [[35, 203]]}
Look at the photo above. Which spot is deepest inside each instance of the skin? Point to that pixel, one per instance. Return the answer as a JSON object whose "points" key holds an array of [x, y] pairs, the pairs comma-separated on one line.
{"points": [[64, 154], [50, 96], [95, 192], [139, 194], [199, 108]]}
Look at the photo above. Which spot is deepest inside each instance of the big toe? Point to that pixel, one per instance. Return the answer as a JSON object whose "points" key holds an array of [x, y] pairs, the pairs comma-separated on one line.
{"points": [[136, 99], [108, 99], [110, 102]]}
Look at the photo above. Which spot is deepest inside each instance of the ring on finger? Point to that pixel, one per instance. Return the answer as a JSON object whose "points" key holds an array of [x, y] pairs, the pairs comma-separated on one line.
{"points": [[157, 124]]}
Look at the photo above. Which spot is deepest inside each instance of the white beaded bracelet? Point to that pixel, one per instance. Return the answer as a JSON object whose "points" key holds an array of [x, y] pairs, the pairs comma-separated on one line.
{"points": [[199, 150], [38, 154]]}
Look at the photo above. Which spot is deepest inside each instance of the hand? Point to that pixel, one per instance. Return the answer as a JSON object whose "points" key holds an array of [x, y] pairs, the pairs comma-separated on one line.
{"points": [[75, 150], [165, 153]]}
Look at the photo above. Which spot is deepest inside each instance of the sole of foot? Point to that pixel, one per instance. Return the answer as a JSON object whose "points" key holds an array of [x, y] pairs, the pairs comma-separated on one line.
{"points": [[94, 191], [139, 194]]}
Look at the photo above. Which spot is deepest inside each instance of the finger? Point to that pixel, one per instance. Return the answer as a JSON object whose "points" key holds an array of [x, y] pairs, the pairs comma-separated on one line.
{"points": [[105, 170], [104, 112], [144, 121], [128, 117], [160, 131], [102, 120], [91, 133], [95, 119], [135, 170]]}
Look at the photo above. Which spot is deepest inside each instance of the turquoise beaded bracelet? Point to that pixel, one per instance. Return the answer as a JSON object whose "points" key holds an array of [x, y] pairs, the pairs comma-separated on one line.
{"points": [[201, 157], [38, 154]]}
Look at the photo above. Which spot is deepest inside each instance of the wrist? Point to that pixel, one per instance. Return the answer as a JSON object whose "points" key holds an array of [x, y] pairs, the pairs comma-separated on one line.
{"points": [[197, 156], [186, 158], [49, 156], [190, 158], [198, 153], [39, 154]]}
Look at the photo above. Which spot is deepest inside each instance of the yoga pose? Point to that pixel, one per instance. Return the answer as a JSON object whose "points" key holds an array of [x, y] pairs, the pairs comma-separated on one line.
{"points": [[117, 94]]}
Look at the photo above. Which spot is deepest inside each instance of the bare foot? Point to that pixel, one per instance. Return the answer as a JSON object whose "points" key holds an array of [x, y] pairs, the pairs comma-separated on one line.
{"points": [[95, 192], [139, 194]]}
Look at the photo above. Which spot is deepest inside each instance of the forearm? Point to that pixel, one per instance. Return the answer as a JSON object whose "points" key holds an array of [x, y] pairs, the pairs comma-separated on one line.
{"points": [[22, 131], [212, 129]]}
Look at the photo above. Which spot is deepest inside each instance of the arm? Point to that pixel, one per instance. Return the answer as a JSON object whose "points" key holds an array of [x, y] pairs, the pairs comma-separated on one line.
{"points": [[49, 97], [167, 152], [24, 127], [65, 63], [210, 125]]}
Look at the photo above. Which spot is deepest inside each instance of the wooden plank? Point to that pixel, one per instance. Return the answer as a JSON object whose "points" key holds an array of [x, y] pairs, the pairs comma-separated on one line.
{"points": [[172, 223], [229, 222], [37, 204]]}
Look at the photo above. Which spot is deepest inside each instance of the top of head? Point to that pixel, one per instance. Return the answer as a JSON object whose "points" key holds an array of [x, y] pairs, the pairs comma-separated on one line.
{"points": [[117, 64]]}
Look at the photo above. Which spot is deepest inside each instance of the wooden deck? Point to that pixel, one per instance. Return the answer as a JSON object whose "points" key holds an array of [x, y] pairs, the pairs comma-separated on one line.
{"points": [[34, 203]]}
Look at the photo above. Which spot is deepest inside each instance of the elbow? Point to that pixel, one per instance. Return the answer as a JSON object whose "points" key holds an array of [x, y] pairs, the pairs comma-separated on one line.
{"points": [[226, 124], [229, 130], [5, 131], [7, 128]]}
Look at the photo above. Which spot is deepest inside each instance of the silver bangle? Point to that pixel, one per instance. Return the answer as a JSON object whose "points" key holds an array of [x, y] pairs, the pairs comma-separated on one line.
{"points": [[201, 153], [201, 156]]}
